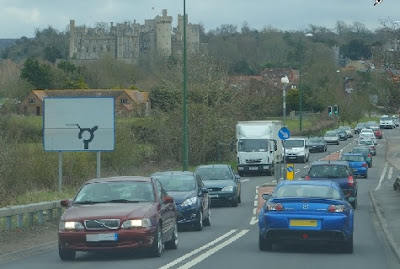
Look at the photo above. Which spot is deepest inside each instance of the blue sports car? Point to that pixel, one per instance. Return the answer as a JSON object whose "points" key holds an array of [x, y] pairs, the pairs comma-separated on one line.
{"points": [[306, 212]]}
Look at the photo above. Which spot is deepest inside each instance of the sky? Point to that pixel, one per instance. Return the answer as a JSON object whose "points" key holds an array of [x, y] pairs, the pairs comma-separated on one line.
{"points": [[22, 17]]}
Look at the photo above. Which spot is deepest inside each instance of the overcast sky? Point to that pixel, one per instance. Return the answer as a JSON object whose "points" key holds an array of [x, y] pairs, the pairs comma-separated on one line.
{"points": [[21, 17]]}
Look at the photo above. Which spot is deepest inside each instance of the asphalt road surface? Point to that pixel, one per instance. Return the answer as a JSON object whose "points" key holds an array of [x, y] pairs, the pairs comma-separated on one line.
{"points": [[232, 239]]}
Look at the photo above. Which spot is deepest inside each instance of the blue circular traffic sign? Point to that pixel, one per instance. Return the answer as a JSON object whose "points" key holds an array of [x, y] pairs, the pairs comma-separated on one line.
{"points": [[284, 133]]}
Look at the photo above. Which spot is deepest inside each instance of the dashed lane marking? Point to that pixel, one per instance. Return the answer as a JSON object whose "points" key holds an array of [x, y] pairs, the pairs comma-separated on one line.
{"points": [[382, 177]]}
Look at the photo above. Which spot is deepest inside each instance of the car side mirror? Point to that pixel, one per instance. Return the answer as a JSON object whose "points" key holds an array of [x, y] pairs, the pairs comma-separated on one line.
{"points": [[266, 196], [237, 177], [168, 200], [65, 203]]}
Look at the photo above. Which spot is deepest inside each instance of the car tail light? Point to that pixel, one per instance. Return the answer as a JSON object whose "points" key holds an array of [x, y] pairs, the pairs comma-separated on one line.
{"points": [[350, 181], [336, 208], [364, 165], [369, 155], [274, 206], [307, 177]]}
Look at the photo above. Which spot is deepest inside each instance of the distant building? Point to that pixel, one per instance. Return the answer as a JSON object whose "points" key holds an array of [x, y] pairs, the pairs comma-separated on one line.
{"points": [[127, 41], [127, 102]]}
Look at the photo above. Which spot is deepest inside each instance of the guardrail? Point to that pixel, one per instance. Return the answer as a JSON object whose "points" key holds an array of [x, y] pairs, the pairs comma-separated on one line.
{"points": [[42, 211]]}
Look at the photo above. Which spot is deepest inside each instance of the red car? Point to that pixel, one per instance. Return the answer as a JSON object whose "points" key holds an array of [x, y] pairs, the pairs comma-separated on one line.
{"points": [[378, 133], [118, 213]]}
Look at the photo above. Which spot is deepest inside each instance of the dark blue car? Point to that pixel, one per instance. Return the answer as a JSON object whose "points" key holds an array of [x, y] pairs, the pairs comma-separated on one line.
{"points": [[357, 162], [190, 196], [313, 212]]}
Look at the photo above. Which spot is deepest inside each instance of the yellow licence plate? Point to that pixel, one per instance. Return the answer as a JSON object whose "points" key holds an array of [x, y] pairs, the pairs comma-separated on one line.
{"points": [[303, 222]]}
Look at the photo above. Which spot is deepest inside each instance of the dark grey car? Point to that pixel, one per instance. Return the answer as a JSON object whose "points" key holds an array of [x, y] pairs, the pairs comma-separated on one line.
{"points": [[222, 182]]}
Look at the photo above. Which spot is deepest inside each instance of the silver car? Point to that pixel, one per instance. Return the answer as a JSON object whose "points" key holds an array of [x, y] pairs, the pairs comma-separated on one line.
{"points": [[368, 143], [331, 137]]}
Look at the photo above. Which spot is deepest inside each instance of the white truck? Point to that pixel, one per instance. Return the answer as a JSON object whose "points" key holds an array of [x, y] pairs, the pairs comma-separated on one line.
{"points": [[258, 146]]}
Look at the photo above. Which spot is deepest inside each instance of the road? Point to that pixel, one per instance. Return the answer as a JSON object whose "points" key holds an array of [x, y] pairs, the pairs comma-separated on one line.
{"points": [[232, 239]]}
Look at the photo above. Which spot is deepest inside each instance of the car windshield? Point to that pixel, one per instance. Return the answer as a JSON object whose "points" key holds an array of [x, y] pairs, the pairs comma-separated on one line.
{"points": [[316, 140], [250, 145], [309, 191], [115, 192], [294, 143], [386, 118], [177, 182], [214, 173], [331, 134], [352, 158], [328, 171], [366, 142], [364, 151]]}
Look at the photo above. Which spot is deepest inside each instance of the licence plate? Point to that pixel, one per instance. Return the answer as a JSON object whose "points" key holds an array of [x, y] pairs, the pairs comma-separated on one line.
{"points": [[102, 237], [354, 170], [253, 168], [303, 223], [213, 195]]}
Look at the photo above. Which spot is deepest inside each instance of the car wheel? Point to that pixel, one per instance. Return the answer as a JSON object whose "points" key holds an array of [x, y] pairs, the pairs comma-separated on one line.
{"points": [[240, 198], [66, 254], [366, 176], [326, 148], [348, 246], [199, 222], [207, 221], [173, 243], [235, 202], [240, 173], [264, 244], [157, 247]]}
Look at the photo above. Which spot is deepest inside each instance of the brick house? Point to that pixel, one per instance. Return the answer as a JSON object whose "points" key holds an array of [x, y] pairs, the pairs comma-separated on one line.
{"points": [[127, 102]]}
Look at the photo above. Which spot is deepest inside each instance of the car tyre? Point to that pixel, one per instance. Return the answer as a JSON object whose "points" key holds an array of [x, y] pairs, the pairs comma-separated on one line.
{"points": [[199, 221], [354, 204], [348, 246], [235, 202], [66, 254], [366, 176], [173, 243], [157, 247], [207, 221], [264, 244], [240, 198]]}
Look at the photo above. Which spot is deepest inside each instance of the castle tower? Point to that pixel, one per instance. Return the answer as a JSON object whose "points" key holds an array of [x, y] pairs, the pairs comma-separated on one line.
{"points": [[71, 38], [164, 33]]}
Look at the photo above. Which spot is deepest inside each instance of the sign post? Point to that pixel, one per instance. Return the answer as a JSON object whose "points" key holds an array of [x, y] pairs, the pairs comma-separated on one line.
{"points": [[284, 134], [78, 124], [290, 171]]}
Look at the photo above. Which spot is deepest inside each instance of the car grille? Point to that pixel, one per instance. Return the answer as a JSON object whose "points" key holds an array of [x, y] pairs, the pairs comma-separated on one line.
{"points": [[253, 160], [214, 189], [102, 224]]}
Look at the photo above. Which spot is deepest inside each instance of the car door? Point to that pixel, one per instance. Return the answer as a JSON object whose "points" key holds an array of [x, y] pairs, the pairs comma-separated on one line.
{"points": [[236, 180], [203, 196], [167, 212]]}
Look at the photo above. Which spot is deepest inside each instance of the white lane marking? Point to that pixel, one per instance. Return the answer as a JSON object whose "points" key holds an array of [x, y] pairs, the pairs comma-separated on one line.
{"points": [[254, 211], [297, 170], [382, 177], [306, 166], [253, 220], [212, 251], [184, 257], [244, 180], [256, 203], [390, 173]]}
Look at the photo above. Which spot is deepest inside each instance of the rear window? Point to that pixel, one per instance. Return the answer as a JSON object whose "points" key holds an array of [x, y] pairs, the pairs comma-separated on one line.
{"points": [[328, 171], [309, 191], [352, 158]]}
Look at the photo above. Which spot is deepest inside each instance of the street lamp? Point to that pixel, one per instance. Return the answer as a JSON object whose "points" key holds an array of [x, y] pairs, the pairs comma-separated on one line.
{"points": [[301, 87], [285, 82], [184, 101]]}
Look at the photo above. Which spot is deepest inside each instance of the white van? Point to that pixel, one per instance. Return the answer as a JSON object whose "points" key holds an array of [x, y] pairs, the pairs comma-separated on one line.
{"points": [[386, 122], [297, 149]]}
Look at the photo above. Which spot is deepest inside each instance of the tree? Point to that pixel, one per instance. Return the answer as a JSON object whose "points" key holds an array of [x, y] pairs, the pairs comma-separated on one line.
{"points": [[39, 75]]}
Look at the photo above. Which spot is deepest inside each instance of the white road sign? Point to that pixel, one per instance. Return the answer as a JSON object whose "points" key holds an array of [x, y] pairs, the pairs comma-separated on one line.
{"points": [[79, 124]]}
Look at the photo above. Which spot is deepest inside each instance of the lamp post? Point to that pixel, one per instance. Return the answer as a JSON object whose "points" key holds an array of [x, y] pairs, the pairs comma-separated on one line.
{"points": [[184, 101], [301, 86], [285, 82]]}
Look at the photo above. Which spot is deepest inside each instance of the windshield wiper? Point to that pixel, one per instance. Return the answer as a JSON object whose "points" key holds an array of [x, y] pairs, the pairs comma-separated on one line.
{"points": [[121, 201], [87, 202]]}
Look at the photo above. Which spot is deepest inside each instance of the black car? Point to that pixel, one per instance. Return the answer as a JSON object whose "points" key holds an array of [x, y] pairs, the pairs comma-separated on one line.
{"points": [[342, 134], [359, 127], [317, 144], [222, 182], [338, 171], [190, 196]]}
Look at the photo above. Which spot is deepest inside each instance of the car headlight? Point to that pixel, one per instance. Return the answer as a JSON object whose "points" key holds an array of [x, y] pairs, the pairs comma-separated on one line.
{"points": [[190, 201], [70, 225], [228, 188], [135, 223]]}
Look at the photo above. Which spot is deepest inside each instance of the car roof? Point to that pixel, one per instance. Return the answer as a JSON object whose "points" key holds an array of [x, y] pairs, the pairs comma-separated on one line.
{"points": [[213, 166], [172, 173], [329, 163], [119, 179], [309, 182], [352, 154]]}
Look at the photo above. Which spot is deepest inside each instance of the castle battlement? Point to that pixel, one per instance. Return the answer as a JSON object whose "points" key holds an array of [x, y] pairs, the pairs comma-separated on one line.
{"points": [[127, 41]]}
